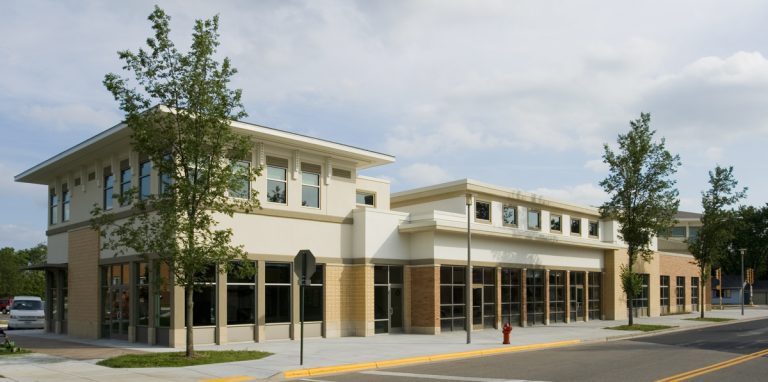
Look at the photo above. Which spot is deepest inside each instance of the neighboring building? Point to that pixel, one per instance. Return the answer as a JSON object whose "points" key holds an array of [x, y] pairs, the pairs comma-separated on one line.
{"points": [[385, 266], [674, 245]]}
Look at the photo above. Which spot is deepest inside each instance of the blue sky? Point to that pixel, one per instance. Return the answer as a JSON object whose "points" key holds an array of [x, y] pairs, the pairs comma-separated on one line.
{"points": [[521, 94]]}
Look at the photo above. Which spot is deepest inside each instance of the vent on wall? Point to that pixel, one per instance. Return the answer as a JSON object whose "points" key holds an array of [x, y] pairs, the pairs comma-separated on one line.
{"points": [[341, 173]]}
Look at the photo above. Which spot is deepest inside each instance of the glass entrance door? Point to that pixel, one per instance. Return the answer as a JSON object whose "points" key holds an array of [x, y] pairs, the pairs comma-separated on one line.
{"points": [[388, 299], [477, 308], [577, 303], [116, 302]]}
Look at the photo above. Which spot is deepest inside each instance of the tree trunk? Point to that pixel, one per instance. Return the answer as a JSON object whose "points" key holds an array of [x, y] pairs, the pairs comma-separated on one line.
{"points": [[631, 308], [190, 333], [702, 284]]}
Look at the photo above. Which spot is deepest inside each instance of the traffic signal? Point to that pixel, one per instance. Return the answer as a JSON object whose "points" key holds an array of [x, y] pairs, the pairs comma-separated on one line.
{"points": [[718, 274], [750, 276]]}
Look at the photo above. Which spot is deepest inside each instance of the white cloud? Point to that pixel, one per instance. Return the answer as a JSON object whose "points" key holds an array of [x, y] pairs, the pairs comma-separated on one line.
{"points": [[20, 237], [423, 174], [586, 193], [596, 165], [69, 117]]}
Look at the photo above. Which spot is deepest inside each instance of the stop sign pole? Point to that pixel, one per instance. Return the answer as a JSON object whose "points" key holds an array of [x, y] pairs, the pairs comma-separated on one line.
{"points": [[304, 267]]}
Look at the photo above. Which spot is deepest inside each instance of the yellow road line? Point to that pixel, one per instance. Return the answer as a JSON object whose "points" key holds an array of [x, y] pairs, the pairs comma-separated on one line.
{"points": [[423, 359], [714, 367], [241, 378]]}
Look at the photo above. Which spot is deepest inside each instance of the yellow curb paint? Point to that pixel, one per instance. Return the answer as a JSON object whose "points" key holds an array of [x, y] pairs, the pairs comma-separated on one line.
{"points": [[230, 379], [413, 360], [714, 367]]}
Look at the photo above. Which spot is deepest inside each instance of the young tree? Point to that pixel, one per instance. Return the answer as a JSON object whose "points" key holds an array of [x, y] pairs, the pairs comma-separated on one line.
{"points": [[716, 232], [643, 197], [13, 280], [750, 232], [189, 140]]}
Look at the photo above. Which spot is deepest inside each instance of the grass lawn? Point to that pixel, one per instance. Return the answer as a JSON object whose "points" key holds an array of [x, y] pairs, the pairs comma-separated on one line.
{"points": [[178, 359], [3, 352], [641, 327], [710, 319]]}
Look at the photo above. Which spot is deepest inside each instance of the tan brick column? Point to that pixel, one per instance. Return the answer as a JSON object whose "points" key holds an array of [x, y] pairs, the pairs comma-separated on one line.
{"points": [[84, 318], [221, 308], [132, 302], [567, 297], [261, 305], [425, 299], [546, 297], [523, 298], [499, 322], [586, 296], [332, 312]]}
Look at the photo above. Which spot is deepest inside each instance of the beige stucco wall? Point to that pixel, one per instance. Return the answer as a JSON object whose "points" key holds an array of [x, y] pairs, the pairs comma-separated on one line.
{"points": [[378, 186]]}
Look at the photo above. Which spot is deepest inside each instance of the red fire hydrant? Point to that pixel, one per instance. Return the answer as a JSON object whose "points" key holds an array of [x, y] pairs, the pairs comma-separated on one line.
{"points": [[507, 329]]}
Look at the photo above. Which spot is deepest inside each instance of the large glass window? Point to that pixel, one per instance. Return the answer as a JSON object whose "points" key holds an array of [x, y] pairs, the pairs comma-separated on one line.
{"points": [[534, 219], [534, 296], [66, 199], [677, 231], [278, 292], [575, 226], [595, 307], [680, 292], [695, 293], [162, 295], [109, 184], [165, 180], [693, 232], [242, 189], [365, 198], [241, 296], [125, 182], [204, 298], [510, 296], [482, 211], [142, 293], [145, 178], [641, 302], [509, 215], [664, 294], [452, 298], [277, 183], [556, 296], [555, 223], [310, 185], [53, 206], [313, 297], [116, 301]]}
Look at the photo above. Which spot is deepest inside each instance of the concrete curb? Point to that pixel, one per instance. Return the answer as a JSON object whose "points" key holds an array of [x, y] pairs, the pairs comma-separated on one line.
{"points": [[422, 359]]}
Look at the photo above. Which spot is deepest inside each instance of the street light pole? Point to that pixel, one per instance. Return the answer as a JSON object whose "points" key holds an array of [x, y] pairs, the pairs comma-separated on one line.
{"points": [[742, 250], [468, 276]]}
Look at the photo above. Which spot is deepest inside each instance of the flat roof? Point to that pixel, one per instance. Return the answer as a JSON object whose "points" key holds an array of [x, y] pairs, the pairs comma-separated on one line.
{"points": [[363, 158]]}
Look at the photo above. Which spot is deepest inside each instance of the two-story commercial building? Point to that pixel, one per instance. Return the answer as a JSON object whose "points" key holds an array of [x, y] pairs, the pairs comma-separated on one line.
{"points": [[386, 263]]}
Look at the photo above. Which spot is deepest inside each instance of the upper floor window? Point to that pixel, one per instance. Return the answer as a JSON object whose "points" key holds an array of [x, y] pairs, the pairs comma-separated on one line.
{"points": [[164, 180], [243, 188], [483, 211], [66, 198], [277, 181], [575, 226], [366, 198], [109, 184], [594, 227], [555, 223], [534, 219], [53, 205], [509, 215], [310, 185], [145, 179], [125, 181]]}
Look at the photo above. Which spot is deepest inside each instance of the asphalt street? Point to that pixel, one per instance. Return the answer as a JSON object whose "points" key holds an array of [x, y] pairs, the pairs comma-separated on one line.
{"points": [[730, 352]]}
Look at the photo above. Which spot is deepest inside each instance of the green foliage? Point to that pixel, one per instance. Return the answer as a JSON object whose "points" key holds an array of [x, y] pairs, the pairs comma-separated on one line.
{"points": [[15, 282], [750, 226], [643, 197], [716, 234], [189, 140], [180, 360], [631, 282], [9, 347]]}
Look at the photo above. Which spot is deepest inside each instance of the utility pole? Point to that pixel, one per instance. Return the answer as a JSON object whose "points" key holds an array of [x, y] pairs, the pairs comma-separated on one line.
{"points": [[742, 250]]}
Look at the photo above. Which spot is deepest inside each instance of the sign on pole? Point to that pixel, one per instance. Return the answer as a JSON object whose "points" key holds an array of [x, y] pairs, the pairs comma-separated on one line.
{"points": [[304, 267]]}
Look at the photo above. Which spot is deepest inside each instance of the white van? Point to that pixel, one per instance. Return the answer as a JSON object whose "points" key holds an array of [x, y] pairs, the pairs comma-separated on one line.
{"points": [[27, 312]]}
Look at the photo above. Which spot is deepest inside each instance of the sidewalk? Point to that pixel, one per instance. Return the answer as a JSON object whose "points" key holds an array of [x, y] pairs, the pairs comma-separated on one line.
{"points": [[320, 352]]}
